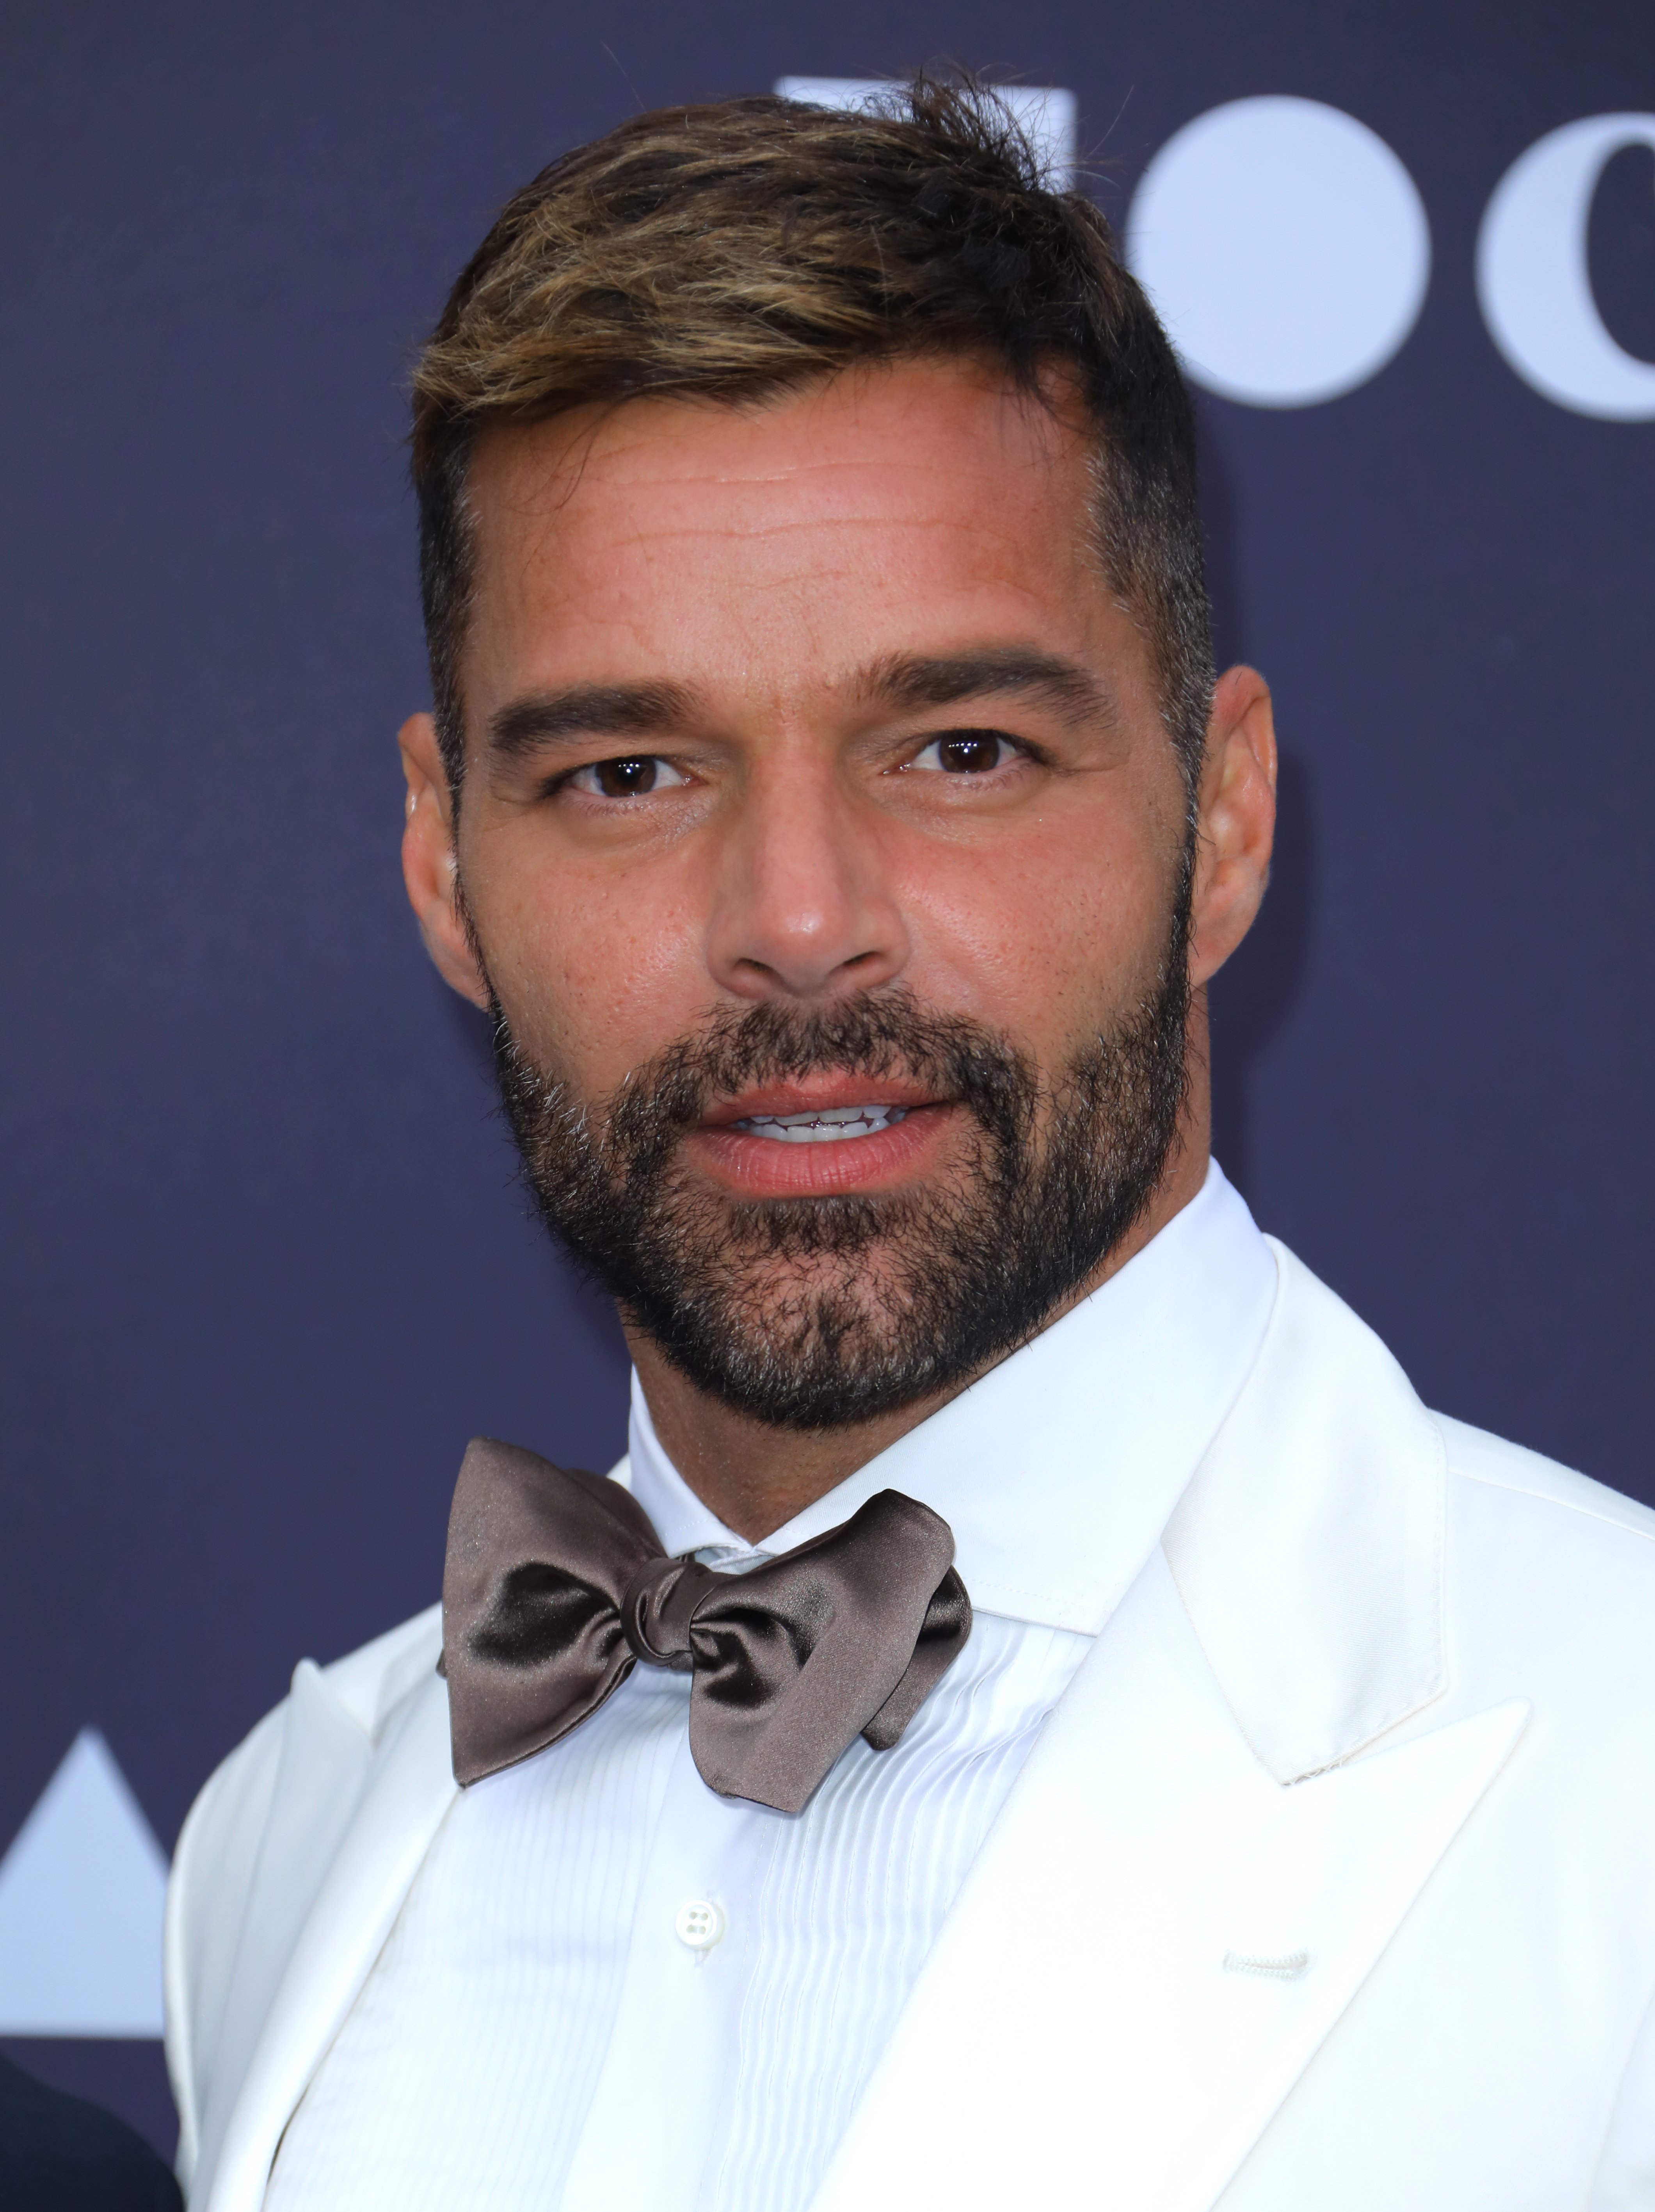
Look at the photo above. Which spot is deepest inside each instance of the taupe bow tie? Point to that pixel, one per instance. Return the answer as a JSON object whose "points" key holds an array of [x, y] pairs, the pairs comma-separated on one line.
{"points": [[555, 1586]]}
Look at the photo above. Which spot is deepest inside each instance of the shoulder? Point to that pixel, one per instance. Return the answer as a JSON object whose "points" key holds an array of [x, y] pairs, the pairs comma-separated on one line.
{"points": [[1347, 1557], [1546, 1562], [367, 1686], [1475, 1456], [314, 1749], [1335, 1378]]}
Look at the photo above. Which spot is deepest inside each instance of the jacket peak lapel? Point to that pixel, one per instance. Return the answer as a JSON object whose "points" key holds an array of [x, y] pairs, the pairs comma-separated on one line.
{"points": [[1308, 1546], [1152, 1943]]}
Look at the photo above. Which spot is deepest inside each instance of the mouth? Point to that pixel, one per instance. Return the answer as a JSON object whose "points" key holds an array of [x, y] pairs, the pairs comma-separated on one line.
{"points": [[826, 1125], [831, 1135]]}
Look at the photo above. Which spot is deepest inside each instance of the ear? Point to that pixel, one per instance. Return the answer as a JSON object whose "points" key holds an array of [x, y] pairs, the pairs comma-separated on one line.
{"points": [[1236, 826], [430, 864]]}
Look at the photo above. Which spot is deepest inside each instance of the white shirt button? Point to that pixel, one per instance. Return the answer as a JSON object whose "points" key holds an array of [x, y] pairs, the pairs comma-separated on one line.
{"points": [[699, 1924]]}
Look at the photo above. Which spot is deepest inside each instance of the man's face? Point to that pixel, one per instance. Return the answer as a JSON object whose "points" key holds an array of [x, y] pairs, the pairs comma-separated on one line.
{"points": [[828, 861]]}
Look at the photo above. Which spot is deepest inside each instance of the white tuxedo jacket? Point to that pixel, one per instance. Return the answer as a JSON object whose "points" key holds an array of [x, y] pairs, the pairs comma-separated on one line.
{"points": [[1329, 1883]]}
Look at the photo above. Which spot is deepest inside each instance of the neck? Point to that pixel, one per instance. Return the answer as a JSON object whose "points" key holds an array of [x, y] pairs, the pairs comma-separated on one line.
{"points": [[755, 1478]]}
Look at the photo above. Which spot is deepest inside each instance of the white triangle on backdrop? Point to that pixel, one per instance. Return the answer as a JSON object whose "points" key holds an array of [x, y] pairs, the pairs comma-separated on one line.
{"points": [[82, 1891]]}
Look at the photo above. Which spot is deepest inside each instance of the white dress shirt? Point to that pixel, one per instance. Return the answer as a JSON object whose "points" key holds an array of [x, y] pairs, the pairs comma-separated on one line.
{"points": [[610, 1988]]}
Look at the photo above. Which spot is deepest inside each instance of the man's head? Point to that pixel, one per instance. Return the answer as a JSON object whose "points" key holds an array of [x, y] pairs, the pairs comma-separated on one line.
{"points": [[825, 721]]}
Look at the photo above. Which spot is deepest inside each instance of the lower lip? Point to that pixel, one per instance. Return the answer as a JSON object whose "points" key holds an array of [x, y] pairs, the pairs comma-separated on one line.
{"points": [[767, 1167]]}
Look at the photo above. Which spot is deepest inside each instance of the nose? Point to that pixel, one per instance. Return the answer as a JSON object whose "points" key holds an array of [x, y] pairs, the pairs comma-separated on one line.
{"points": [[804, 907]]}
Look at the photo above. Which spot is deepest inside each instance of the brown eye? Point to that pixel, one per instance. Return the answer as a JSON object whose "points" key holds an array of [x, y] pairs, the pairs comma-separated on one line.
{"points": [[966, 752], [633, 775], [969, 755], [624, 779]]}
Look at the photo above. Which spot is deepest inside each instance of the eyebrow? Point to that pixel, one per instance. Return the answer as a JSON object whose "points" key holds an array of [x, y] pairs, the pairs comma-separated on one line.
{"points": [[908, 682], [912, 681], [587, 710]]}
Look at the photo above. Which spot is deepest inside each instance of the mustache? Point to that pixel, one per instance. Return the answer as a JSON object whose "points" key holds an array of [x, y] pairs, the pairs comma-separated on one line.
{"points": [[884, 1034]]}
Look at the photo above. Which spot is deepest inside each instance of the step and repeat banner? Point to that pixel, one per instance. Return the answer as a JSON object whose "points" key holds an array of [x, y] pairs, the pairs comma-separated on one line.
{"points": [[265, 1266]]}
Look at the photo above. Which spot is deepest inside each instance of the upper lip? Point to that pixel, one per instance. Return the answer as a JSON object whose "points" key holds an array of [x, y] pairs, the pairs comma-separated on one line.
{"points": [[815, 1095]]}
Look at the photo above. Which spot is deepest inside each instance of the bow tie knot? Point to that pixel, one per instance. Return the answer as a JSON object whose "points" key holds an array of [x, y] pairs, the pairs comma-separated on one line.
{"points": [[556, 1586], [658, 1610]]}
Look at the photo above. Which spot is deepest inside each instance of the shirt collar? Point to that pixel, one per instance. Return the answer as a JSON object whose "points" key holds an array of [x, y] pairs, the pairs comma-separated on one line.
{"points": [[1057, 1470]]}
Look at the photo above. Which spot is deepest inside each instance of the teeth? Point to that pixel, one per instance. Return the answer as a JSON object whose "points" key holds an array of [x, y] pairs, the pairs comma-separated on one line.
{"points": [[831, 1124]]}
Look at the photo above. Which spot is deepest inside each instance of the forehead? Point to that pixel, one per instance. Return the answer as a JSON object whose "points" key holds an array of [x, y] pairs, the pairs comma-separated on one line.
{"points": [[911, 506]]}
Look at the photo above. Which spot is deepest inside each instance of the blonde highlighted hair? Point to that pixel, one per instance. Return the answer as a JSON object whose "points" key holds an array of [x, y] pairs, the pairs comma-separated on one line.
{"points": [[739, 250]]}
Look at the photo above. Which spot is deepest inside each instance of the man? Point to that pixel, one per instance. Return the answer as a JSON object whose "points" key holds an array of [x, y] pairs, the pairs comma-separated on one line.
{"points": [[1043, 1713]]}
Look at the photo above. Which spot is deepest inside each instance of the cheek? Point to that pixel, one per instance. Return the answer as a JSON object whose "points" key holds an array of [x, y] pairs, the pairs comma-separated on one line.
{"points": [[1047, 934], [596, 969]]}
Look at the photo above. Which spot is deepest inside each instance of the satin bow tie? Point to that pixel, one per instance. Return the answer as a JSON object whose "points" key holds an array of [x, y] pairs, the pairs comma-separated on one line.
{"points": [[556, 1586]]}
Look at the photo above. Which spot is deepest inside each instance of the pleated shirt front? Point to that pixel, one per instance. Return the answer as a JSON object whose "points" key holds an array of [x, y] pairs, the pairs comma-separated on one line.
{"points": [[611, 1990]]}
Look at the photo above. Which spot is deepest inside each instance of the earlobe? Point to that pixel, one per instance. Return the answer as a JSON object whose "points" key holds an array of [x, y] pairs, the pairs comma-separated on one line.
{"points": [[1237, 820], [430, 866]]}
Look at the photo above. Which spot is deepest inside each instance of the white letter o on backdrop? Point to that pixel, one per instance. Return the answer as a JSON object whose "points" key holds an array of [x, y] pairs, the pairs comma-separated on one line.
{"points": [[1533, 283], [1285, 247]]}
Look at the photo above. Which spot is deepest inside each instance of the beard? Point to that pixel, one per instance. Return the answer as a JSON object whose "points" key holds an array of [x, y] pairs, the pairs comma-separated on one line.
{"points": [[812, 1313]]}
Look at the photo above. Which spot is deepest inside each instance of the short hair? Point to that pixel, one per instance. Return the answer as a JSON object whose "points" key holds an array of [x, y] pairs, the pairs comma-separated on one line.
{"points": [[750, 247]]}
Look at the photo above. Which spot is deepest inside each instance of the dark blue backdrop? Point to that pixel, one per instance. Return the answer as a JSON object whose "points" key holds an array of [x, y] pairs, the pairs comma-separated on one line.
{"points": [[264, 1266]]}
